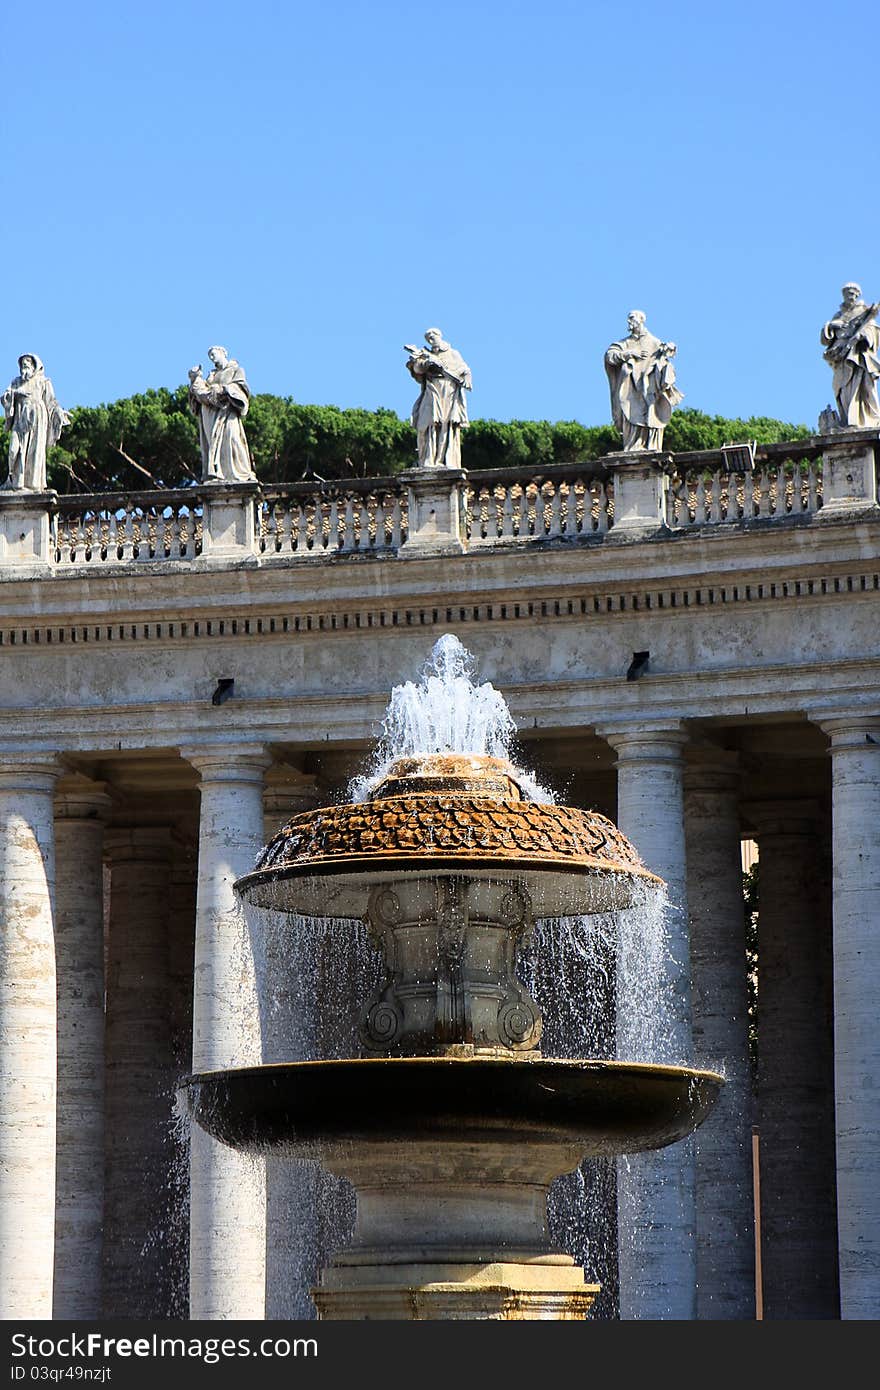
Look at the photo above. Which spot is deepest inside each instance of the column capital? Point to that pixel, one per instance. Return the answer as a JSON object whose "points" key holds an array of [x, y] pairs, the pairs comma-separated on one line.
{"points": [[32, 772], [711, 769], [229, 762], [783, 816], [79, 798], [648, 741], [149, 844], [854, 730], [282, 799]]}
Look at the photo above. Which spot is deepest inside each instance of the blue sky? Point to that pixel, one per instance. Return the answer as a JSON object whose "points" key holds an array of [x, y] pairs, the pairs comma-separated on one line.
{"points": [[314, 186]]}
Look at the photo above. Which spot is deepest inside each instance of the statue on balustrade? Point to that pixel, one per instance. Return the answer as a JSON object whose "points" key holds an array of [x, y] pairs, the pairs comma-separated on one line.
{"points": [[852, 349], [221, 400], [440, 413], [35, 421], [642, 381]]}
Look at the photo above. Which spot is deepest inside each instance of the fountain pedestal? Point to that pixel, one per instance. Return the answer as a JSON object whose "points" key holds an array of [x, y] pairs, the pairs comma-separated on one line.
{"points": [[485, 1251]]}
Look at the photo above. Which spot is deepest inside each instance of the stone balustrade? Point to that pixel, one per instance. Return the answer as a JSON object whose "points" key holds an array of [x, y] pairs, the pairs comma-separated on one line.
{"points": [[787, 481], [622, 497], [549, 504], [346, 517], [92, 529]]}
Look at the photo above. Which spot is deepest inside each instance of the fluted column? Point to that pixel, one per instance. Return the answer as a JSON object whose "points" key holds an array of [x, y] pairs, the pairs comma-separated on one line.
{"points": [[27, 1036], [855, 830], [656, 1241], [81, 808], [724, 1200], [228, 1189], [139, 1077], [795, 1065]]}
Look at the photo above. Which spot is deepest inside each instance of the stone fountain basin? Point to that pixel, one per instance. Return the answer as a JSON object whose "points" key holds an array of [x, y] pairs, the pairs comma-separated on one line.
{"points": [[563, 889], [598, 1107]]}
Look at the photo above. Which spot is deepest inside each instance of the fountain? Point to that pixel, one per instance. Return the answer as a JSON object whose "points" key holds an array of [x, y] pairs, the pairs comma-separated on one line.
{"points": [[451, 1126]]}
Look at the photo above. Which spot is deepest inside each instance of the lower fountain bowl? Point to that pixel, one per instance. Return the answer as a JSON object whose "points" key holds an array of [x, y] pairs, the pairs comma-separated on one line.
{"points": [[309, 1107]]}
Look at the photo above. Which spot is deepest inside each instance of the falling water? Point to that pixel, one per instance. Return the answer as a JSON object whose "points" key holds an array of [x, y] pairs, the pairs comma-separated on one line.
{"points": [[571, 968], [319, 972]]}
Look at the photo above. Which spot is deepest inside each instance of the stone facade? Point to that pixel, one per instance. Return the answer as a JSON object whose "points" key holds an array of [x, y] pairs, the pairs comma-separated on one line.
{"points": [[755, 714]]}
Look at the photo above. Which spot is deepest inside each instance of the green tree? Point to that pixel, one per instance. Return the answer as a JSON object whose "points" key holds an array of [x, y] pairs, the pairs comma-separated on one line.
{"points": [[143, 441], [151, 440]]}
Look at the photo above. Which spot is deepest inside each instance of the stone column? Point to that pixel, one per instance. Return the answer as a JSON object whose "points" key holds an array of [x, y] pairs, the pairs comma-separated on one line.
{"points": [[81, 808], [228, 1190], [294, 1188], [27, 1036], [855, 764], [181, 951], [724, 1198], [795, 1065], [138, 1269], [656, 1244]]}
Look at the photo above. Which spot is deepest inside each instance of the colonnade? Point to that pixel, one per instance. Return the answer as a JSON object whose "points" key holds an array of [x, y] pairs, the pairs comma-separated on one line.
{"points": [[80, 1239]]}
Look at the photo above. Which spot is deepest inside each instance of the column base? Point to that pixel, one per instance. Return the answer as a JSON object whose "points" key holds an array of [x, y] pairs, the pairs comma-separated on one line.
{"points": [[497, 1292]]}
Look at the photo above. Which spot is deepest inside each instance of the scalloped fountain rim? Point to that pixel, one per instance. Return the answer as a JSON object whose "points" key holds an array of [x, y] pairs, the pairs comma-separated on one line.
{"points": [[446, 815]]}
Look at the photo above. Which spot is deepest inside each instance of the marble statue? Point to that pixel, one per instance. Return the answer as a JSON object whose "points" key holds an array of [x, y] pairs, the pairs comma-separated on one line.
{"points": [[221, 400], [35, 421], [642, 381], [440, 413], [852, 348]]}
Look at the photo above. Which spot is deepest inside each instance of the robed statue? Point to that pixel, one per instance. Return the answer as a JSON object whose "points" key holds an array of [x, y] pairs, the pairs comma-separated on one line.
{"points": [[35, 421], [642, 381], [852, 349], [440, 413], [221, 400]]}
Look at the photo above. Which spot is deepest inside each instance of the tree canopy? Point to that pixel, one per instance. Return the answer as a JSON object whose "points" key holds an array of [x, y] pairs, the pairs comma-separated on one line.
{"points": [[151, 440]]}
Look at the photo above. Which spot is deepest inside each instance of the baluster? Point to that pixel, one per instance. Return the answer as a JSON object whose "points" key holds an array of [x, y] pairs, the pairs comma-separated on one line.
{"points": [[599, 499], [102, 530], [340, 525], [71, 538], [282, 522], [525, 521], [183, 533], [393, 519], [814, 490], [326, 521], [776, 495], [506, 519], [478, 520], [129, 548], [362, 520], [298, 526], [702, 508], [67, 526], [380, 522], [580, 507], [554, 518], [180, 531]]}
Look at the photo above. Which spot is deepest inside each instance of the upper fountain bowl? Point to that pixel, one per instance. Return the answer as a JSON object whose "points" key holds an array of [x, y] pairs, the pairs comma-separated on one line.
{"points": [[446, 815]]}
